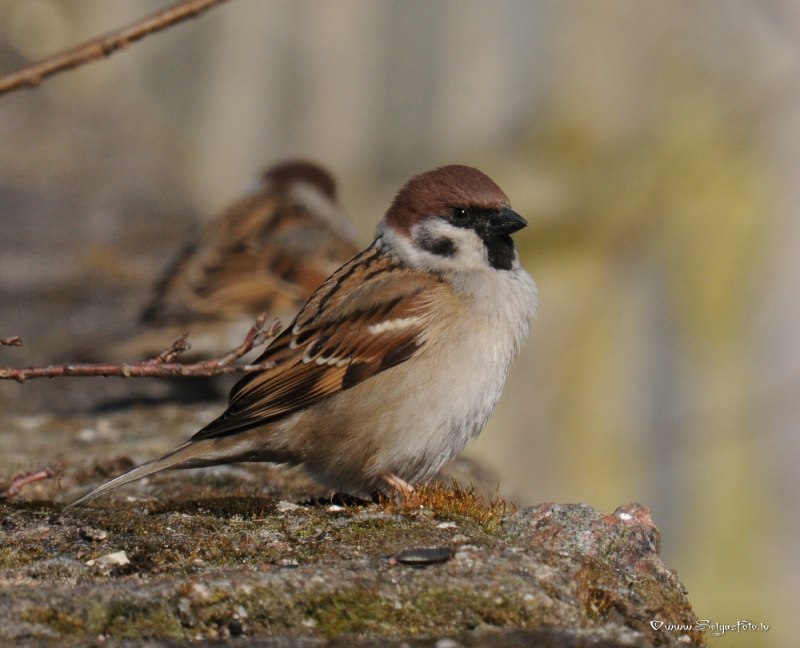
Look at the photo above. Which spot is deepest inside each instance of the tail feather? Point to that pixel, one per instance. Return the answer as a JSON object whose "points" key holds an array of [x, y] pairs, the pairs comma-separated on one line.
{"points": [[192, 454]]}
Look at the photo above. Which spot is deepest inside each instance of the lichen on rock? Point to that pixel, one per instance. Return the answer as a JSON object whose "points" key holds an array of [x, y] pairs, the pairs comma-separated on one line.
{"points": [[261, 553]]}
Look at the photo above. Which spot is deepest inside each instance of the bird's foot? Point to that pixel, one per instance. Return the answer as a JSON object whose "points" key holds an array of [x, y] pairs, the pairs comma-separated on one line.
{"points": [[403, 488]]}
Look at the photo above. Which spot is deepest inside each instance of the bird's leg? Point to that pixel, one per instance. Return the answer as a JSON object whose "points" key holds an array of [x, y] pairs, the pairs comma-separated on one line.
{"points": [[400, 485]]}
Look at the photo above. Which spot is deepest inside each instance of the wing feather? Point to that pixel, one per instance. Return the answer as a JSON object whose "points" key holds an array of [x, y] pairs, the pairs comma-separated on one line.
{"points": [[350, 330]]}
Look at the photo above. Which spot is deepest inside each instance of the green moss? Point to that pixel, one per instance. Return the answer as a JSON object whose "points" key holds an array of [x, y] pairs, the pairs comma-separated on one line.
{"points": [[211, 564], [126, 620], [247, 507], [17, 556], [358, 610], [363, 611], [469, 608], [63, 623], [118, 620], [355, 611]]}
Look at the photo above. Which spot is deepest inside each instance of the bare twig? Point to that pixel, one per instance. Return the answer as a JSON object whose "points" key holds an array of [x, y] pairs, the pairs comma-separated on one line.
{"points": [[21, 481], [32, 75], [162, 366], [15, 340], [176, 348]]}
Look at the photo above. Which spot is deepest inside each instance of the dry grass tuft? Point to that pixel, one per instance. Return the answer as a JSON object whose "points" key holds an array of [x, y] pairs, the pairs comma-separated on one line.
{"points": [[451, 501]]}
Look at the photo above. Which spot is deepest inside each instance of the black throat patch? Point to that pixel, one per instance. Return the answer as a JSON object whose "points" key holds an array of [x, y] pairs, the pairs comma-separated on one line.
{"points": [[500, 250]]}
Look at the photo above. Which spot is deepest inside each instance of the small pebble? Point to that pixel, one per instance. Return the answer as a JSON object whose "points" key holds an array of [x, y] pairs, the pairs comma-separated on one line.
{"points": [[95, 535], [235, 628], [116, 559], [448, 643]]}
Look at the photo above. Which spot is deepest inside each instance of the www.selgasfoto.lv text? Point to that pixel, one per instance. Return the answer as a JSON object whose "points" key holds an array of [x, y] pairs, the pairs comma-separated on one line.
{"points": [[716, 629]]}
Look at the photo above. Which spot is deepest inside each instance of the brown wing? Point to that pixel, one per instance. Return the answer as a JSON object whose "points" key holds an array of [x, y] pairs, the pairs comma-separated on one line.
{"points": [[352, 328], [267, 252]]}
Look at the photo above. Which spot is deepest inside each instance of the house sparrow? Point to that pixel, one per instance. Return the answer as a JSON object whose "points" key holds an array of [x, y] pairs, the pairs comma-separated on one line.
{"points": [[396, 362], [268, 252]]}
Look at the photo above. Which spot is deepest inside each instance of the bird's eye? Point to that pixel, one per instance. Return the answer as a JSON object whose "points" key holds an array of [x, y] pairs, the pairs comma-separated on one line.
{"points": [[460, 213]]}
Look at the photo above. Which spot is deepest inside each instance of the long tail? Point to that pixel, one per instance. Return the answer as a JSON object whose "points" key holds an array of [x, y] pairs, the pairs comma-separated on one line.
{"points": [[192, 454]]}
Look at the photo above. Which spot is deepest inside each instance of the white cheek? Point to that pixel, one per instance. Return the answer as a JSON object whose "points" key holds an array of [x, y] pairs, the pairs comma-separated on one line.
{"points": [[469, 250]]}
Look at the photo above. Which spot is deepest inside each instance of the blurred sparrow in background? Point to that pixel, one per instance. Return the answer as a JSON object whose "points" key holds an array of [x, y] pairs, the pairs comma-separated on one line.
{"points": [[396, 362], [268, 252]]}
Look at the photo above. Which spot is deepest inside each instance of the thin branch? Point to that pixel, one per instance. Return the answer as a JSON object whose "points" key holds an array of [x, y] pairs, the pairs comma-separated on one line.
{"points": [[15, 340], [32, 75], [176, 348], [21, 481], [162, 365]]}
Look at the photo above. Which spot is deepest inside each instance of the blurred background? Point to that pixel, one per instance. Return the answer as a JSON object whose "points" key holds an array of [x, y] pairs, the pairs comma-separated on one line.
{"points": [[653, 146]]}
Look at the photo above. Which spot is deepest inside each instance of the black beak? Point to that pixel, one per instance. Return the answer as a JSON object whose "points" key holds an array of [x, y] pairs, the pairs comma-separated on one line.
{"points": [[506, 222]]}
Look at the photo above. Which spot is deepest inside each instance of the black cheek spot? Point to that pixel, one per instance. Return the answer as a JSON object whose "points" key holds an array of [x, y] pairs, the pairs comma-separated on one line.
{"points": [[439, 246]]}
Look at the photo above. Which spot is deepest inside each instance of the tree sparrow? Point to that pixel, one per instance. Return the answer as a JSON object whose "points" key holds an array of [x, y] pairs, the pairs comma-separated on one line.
{"points": [[396, 362], [268, 252]]}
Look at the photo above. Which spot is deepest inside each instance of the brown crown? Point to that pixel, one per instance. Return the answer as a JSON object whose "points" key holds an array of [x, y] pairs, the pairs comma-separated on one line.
{"points": [[284, 174], [437, 192]]}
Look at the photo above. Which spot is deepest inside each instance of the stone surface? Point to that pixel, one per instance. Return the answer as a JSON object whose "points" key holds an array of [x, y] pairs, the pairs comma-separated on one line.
{"points": [[260, 552]]}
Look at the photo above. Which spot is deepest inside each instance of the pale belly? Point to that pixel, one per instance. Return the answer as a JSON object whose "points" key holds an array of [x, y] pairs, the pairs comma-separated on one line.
{"points": [[408, 423], [412, 419]]}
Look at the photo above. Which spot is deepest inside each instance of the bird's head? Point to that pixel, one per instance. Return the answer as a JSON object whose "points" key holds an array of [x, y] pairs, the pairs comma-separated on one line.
{"points": [[454, 218]]}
